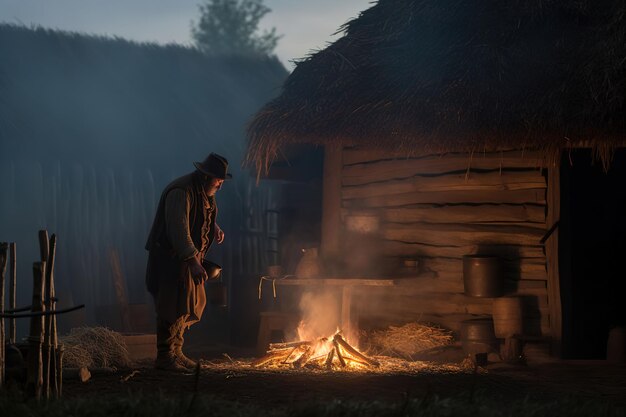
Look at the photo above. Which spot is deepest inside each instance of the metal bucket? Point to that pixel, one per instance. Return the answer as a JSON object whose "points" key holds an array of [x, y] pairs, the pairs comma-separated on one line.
{"points": [[477, 336], [481, 276]]}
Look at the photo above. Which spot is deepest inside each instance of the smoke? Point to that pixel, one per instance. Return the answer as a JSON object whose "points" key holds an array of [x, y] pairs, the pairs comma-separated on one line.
{"points": [[320, 315]]}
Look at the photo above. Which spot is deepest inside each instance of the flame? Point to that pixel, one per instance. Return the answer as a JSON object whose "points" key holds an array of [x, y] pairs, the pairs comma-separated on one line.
{"points": [[321, 349]]}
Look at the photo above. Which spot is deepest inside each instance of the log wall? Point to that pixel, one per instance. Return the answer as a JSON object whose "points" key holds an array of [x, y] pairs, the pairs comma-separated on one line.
{"points": [[438, 208]]}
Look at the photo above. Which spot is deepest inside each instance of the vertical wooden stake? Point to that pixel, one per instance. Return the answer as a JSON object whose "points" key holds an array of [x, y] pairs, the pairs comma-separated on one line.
{"points": [[4, 247], [34, 378], [60, 352], [44, 250], [51, 324], [12, 291]]}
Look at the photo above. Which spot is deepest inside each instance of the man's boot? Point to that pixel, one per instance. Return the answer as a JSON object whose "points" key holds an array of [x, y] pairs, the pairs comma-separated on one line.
{"points": [[178, 350], [166, 359]]}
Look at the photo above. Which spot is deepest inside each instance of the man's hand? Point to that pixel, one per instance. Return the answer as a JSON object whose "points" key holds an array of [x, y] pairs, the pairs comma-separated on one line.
{"points": [[219, 234], [198, 274]]}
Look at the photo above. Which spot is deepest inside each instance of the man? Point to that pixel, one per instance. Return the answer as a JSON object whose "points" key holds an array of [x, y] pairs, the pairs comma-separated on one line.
{"points": [[184, 228]]}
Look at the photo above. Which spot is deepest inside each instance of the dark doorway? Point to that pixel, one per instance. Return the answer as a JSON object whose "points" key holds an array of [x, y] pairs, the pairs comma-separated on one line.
{"points": [[592, 252]]}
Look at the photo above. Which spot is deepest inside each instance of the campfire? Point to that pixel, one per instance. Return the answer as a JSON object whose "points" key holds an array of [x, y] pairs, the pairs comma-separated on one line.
{"points": [[327, 352], [339, 353]]}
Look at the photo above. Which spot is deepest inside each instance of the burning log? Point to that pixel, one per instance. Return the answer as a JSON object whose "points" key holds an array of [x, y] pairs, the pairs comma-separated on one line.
{"points": [[352, 351], [273, 356], [329, 358], [342, 361], [304, 358], [320, 353], [274, 346]]}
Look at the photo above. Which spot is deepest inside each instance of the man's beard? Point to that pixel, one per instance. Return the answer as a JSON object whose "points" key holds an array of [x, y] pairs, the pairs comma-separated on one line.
{"points": [[210, 191]]}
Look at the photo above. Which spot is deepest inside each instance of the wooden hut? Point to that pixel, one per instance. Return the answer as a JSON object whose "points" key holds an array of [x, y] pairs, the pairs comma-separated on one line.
{"points": [[449, 120]]}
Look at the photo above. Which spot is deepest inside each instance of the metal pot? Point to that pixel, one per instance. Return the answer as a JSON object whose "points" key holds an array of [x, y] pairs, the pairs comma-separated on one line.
{"points": [[477, 336], [213, 270], [481, 276], [216, 290]]}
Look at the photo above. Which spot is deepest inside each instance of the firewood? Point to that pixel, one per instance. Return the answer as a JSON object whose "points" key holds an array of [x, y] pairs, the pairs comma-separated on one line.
{"points": [[329, 358], [342, 361], [284, 361], [274, 346], [304, 358], [350, 359], [276, 355], [352, 351]]}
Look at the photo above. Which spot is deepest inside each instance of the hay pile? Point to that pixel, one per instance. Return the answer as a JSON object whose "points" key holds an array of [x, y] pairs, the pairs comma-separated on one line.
{"points": [[409, 340], [95, 347]]}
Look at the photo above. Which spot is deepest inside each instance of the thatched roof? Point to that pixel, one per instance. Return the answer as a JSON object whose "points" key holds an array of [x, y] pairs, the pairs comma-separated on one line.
{"points": [[444, 75]]}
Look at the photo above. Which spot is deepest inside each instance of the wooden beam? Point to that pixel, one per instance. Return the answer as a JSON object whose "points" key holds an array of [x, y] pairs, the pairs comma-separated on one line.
{"points": [[533, 196], [331, 202], [397, 248], [488, 181], [461, 235], [506, 274], [552, 257], [448, 303], [455, 265], [486, 213], [386, 161]]}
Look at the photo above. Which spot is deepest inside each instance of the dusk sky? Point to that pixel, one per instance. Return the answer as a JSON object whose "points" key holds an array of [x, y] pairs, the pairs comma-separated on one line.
{"points": [[305, 25]]}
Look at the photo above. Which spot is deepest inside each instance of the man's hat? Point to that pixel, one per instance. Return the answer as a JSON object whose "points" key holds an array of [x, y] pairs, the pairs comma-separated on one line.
{"points": [[215, 166]]}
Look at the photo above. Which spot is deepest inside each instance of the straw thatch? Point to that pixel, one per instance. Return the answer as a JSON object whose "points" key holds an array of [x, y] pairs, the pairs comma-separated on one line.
{"points": [[433, 76], [97, 347]]}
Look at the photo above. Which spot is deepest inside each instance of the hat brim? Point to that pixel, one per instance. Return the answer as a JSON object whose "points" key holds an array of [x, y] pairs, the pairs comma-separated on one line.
{"points": [[200, 168]]}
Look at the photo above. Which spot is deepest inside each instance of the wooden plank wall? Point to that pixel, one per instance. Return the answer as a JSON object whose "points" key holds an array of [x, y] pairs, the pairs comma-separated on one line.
{"points": [[439, 208]]}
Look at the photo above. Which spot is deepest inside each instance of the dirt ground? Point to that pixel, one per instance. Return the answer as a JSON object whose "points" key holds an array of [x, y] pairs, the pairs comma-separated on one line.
{"points": [[593, 380]]}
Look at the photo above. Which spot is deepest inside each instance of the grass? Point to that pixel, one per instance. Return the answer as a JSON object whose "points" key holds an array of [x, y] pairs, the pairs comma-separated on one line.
{"points": [[160, 405]]}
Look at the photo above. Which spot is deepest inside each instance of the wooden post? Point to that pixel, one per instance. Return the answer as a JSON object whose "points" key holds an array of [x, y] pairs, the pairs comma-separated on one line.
{"points": [[12, 291], [50, 379], [4, 247], [331, 202], [34, 378], [59, 360], [552, 256], [44, 250]]}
